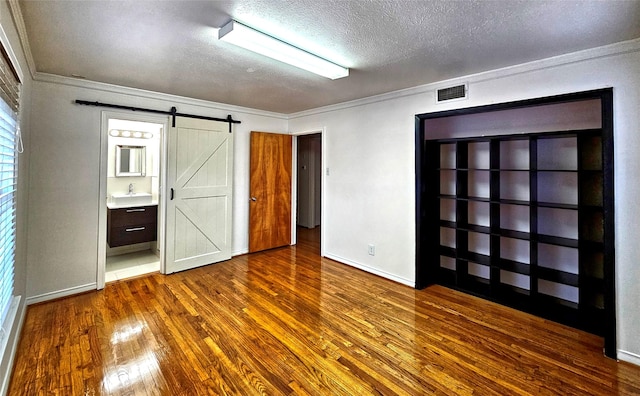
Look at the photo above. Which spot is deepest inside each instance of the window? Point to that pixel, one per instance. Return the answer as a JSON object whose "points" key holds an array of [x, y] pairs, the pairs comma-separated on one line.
{"points": [[7, 206], [10, 145]]}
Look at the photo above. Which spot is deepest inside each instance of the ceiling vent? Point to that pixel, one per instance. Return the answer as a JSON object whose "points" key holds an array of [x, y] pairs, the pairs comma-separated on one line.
{"points": [[457, 92]]}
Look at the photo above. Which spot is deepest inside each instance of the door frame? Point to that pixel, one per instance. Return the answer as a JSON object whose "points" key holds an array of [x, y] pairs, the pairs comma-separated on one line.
{"points": [[102, 189], [294, 185]]}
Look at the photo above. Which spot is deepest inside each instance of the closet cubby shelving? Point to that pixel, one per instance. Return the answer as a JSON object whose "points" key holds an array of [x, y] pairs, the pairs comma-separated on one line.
{"points": [[524, 219]]}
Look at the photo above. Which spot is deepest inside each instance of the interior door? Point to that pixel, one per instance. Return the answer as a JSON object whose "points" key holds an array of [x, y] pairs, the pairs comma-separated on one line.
{"points": [[270, 191], [199, 185]]}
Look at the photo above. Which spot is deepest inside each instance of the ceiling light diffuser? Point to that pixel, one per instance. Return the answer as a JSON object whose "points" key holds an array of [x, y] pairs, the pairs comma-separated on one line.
{"points": [[263, 44]]}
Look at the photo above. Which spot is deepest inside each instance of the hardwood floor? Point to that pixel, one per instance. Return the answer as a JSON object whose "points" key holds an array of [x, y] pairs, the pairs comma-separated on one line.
{"points": [[286, 321]]}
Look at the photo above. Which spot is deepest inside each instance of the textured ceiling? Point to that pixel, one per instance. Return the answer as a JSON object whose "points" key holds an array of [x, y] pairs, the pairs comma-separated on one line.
{"points": [[172, 46]]}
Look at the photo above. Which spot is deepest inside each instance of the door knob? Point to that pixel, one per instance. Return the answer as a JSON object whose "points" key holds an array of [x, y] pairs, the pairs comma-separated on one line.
{"points": [[253, 199]]}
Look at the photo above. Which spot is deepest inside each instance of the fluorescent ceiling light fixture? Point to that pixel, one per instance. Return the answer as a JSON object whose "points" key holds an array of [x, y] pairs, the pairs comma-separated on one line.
{"points": [[263, 44]]}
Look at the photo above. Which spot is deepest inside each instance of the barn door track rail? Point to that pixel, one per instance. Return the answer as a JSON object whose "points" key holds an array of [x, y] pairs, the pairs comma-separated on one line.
{"points": [[173, 112]]}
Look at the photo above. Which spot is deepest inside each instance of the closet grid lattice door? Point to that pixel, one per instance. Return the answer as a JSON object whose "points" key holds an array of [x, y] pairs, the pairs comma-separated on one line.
{"points": [[520, 219]]}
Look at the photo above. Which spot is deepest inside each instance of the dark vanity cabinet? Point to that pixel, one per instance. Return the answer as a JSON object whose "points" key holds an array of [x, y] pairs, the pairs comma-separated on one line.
{"points": [[127, 226]]}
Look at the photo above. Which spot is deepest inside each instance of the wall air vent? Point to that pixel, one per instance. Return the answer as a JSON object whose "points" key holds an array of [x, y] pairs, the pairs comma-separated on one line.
{"points": [[457, 92]]}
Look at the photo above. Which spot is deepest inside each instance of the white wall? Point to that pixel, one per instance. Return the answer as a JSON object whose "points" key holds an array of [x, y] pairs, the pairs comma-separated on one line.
{"points": [[63, 202], [369, 191], [369, 150]]}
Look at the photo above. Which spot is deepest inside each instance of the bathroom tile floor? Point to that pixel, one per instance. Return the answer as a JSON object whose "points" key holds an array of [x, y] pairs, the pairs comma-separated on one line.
{"points": [[132, 264]]}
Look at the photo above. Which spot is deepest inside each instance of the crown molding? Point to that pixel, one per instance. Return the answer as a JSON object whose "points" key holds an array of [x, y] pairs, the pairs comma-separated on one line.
{"points": [[117, 89], [620, 48], [623, 47], [18, 21]]}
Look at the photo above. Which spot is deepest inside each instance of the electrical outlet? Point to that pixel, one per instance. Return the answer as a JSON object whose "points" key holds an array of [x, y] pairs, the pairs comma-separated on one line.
{"points": [[372, 250]]}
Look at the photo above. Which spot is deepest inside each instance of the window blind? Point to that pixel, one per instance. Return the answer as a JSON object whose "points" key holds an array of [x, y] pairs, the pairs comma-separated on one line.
{"points": [[9, 142]]}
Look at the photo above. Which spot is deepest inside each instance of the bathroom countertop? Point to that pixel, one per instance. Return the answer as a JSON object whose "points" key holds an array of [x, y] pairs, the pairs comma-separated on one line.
{"points": [[123, 206]]}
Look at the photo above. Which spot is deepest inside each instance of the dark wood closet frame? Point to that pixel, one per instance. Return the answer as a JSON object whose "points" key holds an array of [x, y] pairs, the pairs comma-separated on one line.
{"points": [[428, 217]]}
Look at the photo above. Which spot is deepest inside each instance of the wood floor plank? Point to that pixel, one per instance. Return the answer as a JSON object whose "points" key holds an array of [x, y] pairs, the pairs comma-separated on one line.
{"points": [[288, 322]]}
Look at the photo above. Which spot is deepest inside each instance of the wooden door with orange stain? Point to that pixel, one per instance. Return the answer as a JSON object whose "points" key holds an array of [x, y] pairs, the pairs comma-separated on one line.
{"points": [[270, 191]]}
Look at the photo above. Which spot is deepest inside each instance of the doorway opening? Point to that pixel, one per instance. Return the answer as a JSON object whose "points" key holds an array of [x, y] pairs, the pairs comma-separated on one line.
{"points": [[131, 219], [308, 219]]}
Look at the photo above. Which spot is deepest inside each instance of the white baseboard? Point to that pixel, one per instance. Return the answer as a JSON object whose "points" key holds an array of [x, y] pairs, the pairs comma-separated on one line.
{"points": [[61, 293], [375, 271], [239, 252], [629, 357]]}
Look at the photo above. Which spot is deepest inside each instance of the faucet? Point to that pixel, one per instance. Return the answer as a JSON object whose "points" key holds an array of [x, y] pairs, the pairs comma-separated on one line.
{"points": [[130, 188]]}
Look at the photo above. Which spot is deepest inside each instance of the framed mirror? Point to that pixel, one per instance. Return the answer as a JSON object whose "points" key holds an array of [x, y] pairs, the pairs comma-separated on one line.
{"points": [[130, 161]]}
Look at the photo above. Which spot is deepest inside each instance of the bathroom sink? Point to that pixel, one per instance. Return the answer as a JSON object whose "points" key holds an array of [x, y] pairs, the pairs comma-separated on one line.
{"points": [[131, 199]]}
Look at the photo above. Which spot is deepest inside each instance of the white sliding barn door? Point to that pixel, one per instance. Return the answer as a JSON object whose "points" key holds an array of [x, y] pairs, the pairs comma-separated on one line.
{"points": [[199, 188]]}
